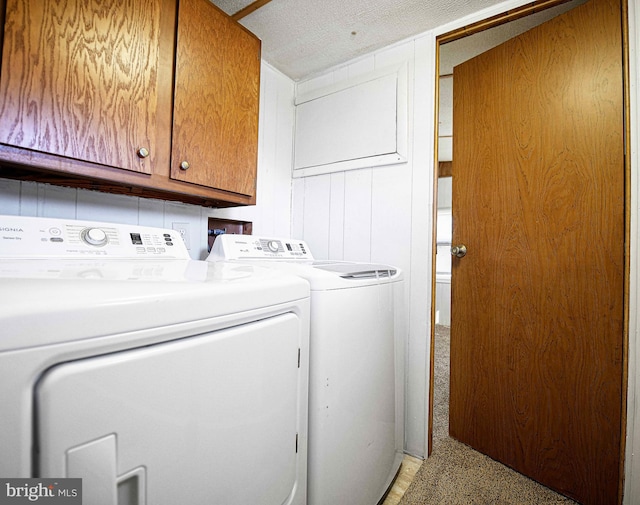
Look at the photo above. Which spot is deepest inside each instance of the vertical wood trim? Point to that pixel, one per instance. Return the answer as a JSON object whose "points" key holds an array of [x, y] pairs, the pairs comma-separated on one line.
{"points": [[434, 248], [627, 242]]}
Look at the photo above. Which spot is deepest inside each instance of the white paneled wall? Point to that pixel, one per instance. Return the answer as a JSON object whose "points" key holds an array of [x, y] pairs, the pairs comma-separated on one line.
{"points": [[384, 214], [357, 223], [44, 200], [271, 215]]}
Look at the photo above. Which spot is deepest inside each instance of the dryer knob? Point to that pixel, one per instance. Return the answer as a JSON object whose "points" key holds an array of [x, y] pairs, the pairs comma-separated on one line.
{"points": [[94, 236], [273, 246]]}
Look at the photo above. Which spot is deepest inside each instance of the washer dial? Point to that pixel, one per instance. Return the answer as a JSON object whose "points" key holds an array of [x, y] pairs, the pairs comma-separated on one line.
{"points": [[94, 236]]}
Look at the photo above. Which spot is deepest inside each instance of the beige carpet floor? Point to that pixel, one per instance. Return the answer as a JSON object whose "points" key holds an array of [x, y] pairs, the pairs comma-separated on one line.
{"points": [[455, 474]]}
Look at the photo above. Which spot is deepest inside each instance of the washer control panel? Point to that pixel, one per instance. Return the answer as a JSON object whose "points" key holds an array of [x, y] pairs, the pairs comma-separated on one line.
{"points": [[36, 237], [230, 246]]}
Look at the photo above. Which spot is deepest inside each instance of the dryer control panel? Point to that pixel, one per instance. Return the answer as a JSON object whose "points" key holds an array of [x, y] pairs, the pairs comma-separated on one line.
{"points": [[35, 237], [244, 247]]}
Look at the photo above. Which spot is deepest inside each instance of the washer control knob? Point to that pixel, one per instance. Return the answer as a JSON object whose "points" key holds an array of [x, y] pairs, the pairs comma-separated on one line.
{"points": [[273, 245], [94, 236]]}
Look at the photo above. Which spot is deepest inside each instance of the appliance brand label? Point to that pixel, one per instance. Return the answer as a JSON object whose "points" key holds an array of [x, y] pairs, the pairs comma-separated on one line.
{"points": [[48, 491]]}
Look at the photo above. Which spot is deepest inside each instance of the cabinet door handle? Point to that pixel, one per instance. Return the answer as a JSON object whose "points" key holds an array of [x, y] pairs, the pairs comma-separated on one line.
{"points": [[143, 152], [184, 165]]}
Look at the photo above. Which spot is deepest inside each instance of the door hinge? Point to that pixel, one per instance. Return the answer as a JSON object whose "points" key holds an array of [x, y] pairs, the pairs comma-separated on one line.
{"points": [[298, 357], [296, 443]]}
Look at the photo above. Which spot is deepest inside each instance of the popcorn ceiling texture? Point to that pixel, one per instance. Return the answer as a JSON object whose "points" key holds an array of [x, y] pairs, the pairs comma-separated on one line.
{"points": [[231, 6], [304, 37]]}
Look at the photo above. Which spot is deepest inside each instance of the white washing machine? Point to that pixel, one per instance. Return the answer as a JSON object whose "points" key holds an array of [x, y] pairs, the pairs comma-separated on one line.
{"points": [[356, 367], [154, 378]]}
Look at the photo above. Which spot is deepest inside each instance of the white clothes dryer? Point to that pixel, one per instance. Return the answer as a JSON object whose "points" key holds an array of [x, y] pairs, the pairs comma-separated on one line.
{"points": [[356, 399], [155, 378]]}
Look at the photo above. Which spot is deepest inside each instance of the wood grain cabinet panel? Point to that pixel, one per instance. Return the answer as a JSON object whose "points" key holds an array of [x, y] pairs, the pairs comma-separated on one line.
{"points": [[216, 96], [78, 79], [86, 84]]}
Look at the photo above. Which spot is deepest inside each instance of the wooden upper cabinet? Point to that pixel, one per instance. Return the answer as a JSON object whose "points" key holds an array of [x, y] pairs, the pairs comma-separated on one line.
{"points": [[216, 100], [79, 79], [115, 96]]}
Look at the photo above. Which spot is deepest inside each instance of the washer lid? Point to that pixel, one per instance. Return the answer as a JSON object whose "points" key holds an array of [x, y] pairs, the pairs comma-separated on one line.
{"points": [[357, 270], [294, 256]]}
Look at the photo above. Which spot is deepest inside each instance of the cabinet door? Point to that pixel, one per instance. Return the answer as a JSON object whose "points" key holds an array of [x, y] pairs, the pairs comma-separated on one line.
{"points": [[79, 79], [215, 122]]}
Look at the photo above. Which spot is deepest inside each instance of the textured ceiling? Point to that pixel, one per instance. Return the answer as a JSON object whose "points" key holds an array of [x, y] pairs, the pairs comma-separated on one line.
{"points": [[303, 37]]}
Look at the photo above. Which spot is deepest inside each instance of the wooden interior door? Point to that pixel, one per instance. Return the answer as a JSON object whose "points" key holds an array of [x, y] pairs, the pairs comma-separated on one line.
{"points": [[537, 302]]}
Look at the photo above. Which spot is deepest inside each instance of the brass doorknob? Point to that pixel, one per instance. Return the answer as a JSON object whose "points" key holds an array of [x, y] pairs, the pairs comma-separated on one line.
{"points": [[459, 251]]}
